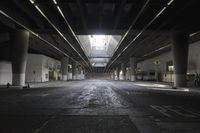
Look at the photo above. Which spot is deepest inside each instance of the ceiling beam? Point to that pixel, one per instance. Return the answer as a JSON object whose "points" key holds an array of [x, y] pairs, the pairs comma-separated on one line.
{"points": [[119, 13], [125, 35], [100, 15], [81, 7], [29, 13]]}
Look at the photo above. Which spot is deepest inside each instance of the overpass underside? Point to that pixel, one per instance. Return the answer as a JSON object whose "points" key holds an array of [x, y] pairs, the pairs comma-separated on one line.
{"points": [[99, 66]]}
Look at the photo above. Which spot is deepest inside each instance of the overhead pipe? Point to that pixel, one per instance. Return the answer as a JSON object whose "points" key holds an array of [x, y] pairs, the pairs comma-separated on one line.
{"points": [[148, 24], [57, 30], [35, 34], [130, 27]]}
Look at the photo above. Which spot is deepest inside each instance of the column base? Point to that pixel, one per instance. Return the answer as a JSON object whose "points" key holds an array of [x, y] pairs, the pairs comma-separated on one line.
{"points": [[74, 78], [122, 78], [180, 80], [18, 79], [133, 78], [64, 77], [116, 78]]}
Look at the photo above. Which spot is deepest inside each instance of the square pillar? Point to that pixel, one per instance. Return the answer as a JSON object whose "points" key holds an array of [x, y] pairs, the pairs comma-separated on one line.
{"points": [[64, 68]]}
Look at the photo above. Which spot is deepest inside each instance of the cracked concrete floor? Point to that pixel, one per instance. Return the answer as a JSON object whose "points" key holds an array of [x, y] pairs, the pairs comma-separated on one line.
{"points": [[98, 106]]}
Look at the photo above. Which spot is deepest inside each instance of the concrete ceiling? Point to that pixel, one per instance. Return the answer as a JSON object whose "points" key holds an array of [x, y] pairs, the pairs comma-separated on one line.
{"points": [[108, 17]]}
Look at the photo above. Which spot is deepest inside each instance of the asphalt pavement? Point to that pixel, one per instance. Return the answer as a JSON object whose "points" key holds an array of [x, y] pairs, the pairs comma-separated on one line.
{"points": [[100, 106]]}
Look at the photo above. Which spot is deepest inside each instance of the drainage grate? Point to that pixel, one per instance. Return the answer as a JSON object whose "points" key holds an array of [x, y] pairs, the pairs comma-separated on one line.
{"points": [[90, 124]]}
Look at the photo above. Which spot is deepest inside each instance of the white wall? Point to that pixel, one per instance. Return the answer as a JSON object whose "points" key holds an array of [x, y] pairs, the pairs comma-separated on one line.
{"points": [[49, 63], [37, 69], [38, 66], [148, 65], [34, 68], [80, 75], [5, 72], [193, 60]]}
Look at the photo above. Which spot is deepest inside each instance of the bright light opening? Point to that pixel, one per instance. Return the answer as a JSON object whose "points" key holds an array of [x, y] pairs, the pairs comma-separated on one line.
{"points": [[99, 48], [97, 40]]}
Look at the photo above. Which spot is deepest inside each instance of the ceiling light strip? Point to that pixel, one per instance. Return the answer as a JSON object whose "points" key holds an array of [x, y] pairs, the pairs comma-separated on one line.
{"points": [[68, 24], [157, 15], [193, 34], [35, 34], [130, 27], [159, 49], [57, 30]]}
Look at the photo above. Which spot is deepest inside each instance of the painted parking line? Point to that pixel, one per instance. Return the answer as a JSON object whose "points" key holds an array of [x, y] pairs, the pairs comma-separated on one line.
{"points": [[161, 110], [39, 95], [174, 111]]}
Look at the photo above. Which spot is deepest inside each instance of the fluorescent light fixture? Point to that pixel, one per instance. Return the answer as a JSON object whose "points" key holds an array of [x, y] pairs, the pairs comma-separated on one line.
{"points": [[194, 33], [35, 34], [60, 11], [136, 37], [169, 3], [42, 13], [6, 15], [156, 50], [55, 2], [32, 1]]}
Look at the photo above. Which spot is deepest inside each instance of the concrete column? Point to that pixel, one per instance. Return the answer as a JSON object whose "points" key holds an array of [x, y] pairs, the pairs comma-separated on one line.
{"points": [[117, 73], [180, 58], [19, 52], [133, 66], [74, 71], [112, 74], [128, 74], [64, 67], [83, 73], [123, 68]]}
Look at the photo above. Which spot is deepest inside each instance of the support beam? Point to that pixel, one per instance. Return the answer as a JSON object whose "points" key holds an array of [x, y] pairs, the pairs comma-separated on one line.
{"points": [[19, 48], [64, 68], [180, 57], [119, 13], [100, 14], [133, 66], [28, 11], [83, 14]]}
